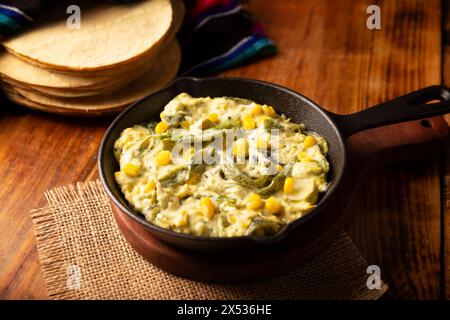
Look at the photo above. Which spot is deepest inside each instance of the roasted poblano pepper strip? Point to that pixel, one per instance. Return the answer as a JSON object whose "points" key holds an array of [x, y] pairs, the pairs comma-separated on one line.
{"points": [[181, 174], [152, 212], [277, 181], [207, 124], [167, 144], [175, 176], [206, 136], [294, 127], [232, 172], [174, 119], [151, 126], [229, 124], [195, 173], [263, 227]]}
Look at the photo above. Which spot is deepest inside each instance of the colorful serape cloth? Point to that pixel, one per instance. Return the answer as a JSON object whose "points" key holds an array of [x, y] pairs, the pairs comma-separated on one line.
{"points": [[14, 15], [216, 34]]}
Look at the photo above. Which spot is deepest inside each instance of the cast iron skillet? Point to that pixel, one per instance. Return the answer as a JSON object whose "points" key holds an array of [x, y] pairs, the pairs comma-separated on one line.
{"points": [[427, 102]]}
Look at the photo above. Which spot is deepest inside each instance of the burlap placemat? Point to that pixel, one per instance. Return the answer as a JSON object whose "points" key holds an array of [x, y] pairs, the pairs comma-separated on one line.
{"points": [[84, 256]]}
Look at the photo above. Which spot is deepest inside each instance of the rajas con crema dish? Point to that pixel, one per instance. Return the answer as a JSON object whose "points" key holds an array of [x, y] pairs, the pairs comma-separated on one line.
{"points": [[221, 167]]}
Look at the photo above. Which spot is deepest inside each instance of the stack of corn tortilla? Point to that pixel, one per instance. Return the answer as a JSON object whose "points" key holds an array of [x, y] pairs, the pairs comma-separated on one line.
{"points": [[120, 54]]}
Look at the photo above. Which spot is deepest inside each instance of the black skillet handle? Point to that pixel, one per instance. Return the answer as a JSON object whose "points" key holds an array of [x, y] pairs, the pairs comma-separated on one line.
{"points": [[427, 102]]}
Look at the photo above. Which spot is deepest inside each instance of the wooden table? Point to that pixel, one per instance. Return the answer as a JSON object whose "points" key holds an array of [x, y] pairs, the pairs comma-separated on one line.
{"points": [[327, 53]]}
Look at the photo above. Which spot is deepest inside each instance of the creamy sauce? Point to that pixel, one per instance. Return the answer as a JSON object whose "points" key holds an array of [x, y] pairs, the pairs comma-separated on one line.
{"points": [[269, 173]]}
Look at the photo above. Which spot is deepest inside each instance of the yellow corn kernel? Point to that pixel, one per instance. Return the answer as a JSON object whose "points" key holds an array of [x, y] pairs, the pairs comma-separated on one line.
{"points": [[193, 179], [131, 170], [185, 124], [207, 207], [240, 147], [262, 143], [163, 157], [273, 205], [129, 187], [181, 220], [183, 193], [213, 117], [261, 120], [254, 201], [245, 224], [256, 110], [161, 127], [150, 186], [279, 167], [116, 174], [248, 123], [231, 218], [288, 185], [309, 142], [268, 111], [303, 156]]}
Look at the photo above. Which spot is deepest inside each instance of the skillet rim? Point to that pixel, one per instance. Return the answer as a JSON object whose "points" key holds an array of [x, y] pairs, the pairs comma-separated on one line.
{"points": [[285, 230]]}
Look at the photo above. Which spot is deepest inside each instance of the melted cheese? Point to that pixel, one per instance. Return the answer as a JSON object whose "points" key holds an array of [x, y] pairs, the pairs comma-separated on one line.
{"points": [[169, 195]]}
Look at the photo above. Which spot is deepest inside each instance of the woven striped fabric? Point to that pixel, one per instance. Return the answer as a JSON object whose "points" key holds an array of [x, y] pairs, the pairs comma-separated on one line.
{"points": [[216, 34], [14, 15]]}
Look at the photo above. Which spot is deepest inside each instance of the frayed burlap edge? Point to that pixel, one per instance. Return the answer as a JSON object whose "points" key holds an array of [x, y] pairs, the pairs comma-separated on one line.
{"points": [[76, 224]]}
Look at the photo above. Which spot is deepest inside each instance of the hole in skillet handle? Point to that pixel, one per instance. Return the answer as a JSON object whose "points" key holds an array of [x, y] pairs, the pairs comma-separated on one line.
{"points": [[429, 96], [426, 123], [434, 101]]}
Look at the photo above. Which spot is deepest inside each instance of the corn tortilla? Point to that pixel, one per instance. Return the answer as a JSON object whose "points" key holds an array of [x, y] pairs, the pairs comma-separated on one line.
{"points": [[21, 100], [104, 88], [162, 72], [178, 12], [22, 72], [110, 35]]}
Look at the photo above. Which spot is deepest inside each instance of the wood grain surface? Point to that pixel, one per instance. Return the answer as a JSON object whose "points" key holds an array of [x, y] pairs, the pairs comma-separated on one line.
{"points": [[328, 54]]}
